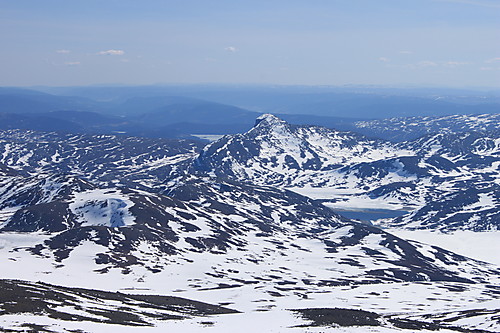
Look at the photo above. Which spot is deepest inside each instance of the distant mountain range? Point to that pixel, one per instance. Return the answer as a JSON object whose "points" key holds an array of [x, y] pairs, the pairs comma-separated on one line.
{"points": [[368, 102], [409, 128], [172, 112]]}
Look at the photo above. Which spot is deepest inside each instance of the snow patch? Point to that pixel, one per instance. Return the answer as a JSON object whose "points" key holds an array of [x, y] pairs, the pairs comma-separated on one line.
{"points": [[102, 207]]}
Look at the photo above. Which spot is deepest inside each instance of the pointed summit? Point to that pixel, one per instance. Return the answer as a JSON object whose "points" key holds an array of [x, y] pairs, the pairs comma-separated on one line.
{"points": [[268, 119]]}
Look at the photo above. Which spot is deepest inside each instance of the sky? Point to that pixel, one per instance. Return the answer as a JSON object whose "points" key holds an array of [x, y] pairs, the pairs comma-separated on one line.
{"points": [[452, 43]]}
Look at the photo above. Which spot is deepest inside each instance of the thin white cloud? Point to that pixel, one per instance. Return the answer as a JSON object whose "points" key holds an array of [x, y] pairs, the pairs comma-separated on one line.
{"points": [[430, 64], [426, 63], [72, 63], [490, 68], [455, 63], [63, 51], [405, 52], [231, 49], [489, 61], [111, 52], [384, 59]]}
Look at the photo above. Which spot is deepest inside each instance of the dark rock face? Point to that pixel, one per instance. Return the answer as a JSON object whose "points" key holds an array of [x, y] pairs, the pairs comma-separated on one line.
{"points": [[57, 302], [339, 317]]}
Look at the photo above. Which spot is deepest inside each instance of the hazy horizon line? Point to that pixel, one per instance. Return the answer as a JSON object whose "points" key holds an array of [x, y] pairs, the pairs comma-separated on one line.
{"points": [[249, 84]]}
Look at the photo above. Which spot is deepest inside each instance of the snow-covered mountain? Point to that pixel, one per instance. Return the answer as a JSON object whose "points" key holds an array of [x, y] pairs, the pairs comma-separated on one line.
{"points": [[410, 128], [475, 208], [274, 152], [104, 159], [349, 171], [235, 225]]}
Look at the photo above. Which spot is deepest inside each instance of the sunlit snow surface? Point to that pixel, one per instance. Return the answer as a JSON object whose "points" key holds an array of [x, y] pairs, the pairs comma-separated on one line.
{"points": [[483, 246], [263, 309], [102, 207], [405, 128], [208, 137]]}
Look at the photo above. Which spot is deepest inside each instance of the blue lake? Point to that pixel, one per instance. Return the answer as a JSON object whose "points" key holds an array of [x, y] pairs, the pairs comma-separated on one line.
{"points": [[370, 214]]}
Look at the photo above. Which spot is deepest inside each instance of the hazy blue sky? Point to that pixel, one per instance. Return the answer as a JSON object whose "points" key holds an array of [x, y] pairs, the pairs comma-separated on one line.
{"points": [[327, 42]]}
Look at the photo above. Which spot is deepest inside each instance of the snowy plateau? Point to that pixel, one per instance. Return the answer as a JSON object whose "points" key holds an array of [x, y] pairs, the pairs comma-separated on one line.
{"points": [[250, 232]]}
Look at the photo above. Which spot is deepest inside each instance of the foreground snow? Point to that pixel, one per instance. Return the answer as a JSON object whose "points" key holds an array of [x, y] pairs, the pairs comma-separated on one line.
{"points": [[262, 311], [272, 322]]}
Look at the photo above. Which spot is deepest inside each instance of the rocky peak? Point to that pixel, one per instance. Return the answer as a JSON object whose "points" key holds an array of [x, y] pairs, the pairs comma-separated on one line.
{"points": [[268, 120]]}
